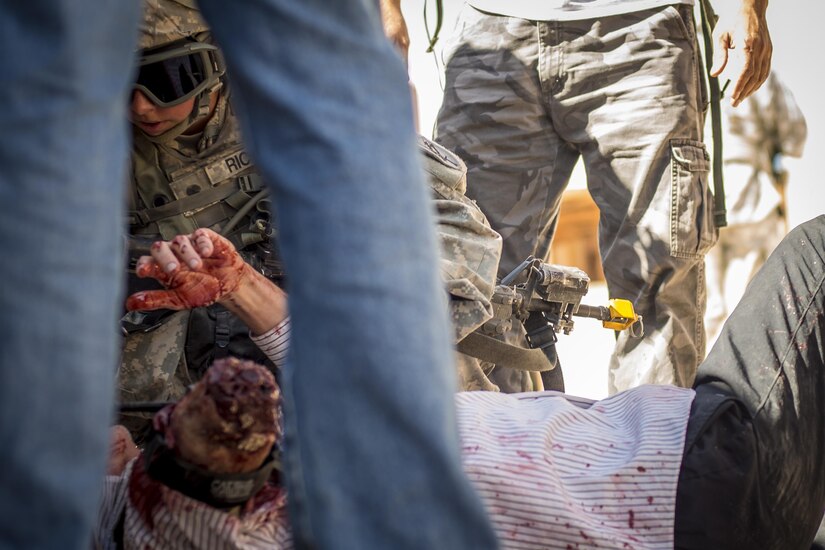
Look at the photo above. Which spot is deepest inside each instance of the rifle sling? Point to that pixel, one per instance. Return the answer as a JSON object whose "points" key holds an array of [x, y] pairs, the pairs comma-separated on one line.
{"points": [[719, 209], [500, 353]]}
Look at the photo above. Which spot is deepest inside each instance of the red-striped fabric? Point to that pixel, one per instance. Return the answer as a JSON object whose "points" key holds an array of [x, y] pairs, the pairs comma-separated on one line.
{"points": [[158, 518], [554, 471], [275, 342], [557, 472]]}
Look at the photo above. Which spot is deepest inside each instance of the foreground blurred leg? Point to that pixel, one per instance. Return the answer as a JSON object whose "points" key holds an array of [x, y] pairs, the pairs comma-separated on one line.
{"points": [[66, 73], [371, 444]]}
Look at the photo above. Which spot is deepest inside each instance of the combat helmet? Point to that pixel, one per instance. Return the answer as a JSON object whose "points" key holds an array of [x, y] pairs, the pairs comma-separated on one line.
{"points": [[177, 59]]}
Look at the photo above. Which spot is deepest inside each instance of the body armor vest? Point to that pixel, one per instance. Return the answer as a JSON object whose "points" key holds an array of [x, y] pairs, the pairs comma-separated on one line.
{"points": [[175, 189]]}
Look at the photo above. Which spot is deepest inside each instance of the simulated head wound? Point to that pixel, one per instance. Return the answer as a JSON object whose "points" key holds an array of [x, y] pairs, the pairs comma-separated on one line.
{"points": [[229, 420], [218, 444]]}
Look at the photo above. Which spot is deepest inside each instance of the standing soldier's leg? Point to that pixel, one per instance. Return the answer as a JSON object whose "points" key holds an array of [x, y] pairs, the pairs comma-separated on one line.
{"points": [[647, 170], [494, 116], [66, 74], [716, 268], [369, 381], [519, 125]]}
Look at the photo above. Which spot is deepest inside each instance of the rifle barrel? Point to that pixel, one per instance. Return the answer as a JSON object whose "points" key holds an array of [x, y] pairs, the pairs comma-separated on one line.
{"points": [[593, 312]]}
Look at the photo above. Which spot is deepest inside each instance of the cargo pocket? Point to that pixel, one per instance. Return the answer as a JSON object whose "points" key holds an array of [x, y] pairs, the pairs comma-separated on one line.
{"points": [[692, 231]]}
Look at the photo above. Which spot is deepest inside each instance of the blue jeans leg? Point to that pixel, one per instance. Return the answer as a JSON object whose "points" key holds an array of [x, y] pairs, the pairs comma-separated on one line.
{"points": [[66, 71], [371, 443]]}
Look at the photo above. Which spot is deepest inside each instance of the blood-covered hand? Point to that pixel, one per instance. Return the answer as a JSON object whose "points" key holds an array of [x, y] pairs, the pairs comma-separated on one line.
{"points": [[197, 270]]}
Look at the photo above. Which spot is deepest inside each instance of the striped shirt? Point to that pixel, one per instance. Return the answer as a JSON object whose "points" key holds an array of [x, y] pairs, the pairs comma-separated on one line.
{"points": [[556, 471], [553, 471], [275, 342], [158, 518], [560, 472]]}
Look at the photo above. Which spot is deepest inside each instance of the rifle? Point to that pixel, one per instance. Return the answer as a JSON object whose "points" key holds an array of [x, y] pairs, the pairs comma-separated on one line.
{"points": [[534, 303], [555, 293]]}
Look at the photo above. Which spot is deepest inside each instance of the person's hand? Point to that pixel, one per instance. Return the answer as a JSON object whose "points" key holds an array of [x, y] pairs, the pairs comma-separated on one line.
{"points": [[742, 44], [122, 450], [197, 270], [395, 27]]}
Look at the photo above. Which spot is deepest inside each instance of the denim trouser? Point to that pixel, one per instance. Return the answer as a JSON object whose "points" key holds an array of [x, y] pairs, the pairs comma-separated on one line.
{"points": [[63, 146], [525, 100], [753, 475], [371, 444]]}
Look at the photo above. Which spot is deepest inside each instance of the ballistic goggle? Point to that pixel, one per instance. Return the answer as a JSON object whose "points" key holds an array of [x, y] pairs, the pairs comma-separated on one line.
{"points": [[178, 72]]}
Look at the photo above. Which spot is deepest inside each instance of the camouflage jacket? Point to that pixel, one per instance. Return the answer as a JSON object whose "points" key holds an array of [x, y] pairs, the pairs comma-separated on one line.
{"points": [[157, 364], [175, 188], [470, 249], [470, 253]]}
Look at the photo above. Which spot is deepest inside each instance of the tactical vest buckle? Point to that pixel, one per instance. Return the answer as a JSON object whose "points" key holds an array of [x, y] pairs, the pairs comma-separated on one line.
{"points": [[222, 332]]}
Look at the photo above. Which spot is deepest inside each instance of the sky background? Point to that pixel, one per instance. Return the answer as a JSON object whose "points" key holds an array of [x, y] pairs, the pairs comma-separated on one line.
{"points": [[796, 31]]}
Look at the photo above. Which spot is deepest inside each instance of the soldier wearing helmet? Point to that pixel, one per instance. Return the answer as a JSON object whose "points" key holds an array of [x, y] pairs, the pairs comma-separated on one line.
{"points": [[189, 169], [179, 67]]}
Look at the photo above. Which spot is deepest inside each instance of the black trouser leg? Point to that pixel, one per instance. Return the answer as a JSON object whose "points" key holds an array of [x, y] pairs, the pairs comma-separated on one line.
{"points": [[758, 451]]}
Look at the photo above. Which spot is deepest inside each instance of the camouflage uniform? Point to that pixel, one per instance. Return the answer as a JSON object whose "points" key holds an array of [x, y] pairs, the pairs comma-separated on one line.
{"points": [[178, 184], [470, 252], [164, 352], [165, 175], [157, 364], [525, 99]]}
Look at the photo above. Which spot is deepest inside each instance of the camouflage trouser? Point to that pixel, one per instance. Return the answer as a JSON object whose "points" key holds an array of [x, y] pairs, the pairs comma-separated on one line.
{"points": [[152, 369], [525, 99]]}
